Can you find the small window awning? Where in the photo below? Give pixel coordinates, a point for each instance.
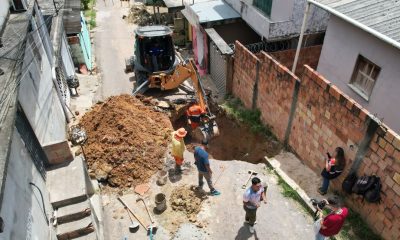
(211, 11)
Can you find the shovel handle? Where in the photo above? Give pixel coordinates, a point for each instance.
(130, 210)
(244, 185)
(148, 212)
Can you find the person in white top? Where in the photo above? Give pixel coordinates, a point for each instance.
(252, 200)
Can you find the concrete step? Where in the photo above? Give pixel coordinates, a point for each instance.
(75, 229)
(73, 212)
(67, 184)
(90, 236)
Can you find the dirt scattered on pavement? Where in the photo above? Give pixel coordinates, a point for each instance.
(186, 199)
(126, 141)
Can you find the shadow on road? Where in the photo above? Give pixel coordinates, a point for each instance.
(244, 233)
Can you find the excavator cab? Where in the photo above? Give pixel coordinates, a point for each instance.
(154, 52)
(157, 65)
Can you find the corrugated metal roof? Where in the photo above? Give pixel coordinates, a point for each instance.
(72, 17)
(209, 11)
(180, 3)
(382, 16)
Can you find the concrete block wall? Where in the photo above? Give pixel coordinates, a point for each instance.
(324, 118)
(308, 55)
(275, 94)
(244, 77)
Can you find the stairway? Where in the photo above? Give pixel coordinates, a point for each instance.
(74, 221)
(70, 191)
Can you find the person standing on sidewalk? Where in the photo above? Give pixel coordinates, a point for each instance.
(333, 222)
(203, 167)
(252, 201)
(178, 147)
(333, 168)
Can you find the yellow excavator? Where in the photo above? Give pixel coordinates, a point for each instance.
(158, 65)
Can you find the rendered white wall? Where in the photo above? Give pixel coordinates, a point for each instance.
(4, 6)
(285, 21)
(282, 10)
(38, 96)
(22, 208)
(317, 22)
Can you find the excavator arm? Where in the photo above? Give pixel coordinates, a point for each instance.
(185, 70)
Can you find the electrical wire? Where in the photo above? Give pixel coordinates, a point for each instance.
(24, 71)
(33, 46)
(30, 33)
(45, 22)
(14, 84)
(11, 85)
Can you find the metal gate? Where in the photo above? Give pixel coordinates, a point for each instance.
(218, 66)
(27, 134)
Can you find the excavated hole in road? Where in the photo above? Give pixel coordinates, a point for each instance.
(235, 142)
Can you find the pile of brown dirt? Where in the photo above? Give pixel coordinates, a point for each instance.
(126, 141)
(188, 200)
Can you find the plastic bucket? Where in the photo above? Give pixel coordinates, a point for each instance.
(162, 177)
(161, 202)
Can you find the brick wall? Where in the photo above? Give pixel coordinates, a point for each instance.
(383, 159)
(275, 93)
(244, 76)
(324, 118)
(308, 56)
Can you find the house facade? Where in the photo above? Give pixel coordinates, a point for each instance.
(276, 19)
(33, 121)
(361, 55)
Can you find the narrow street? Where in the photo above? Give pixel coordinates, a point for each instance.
(113, 43)
(234, 99)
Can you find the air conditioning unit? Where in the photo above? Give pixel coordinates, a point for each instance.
(19, 5)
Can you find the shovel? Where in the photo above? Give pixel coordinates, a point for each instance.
(134, 225)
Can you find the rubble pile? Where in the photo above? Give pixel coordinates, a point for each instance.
(186, 199)
(139, 15)
(126, 141)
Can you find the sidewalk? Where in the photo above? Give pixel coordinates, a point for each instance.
(298, 176)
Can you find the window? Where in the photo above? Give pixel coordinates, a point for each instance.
(264, 5)
(364, 77)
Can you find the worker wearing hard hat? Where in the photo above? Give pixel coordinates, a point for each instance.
(194, 114)
(178, 147)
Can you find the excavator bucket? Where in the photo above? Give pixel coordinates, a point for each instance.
(210, 130)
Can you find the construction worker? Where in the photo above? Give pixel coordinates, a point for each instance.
(252, 201)
(203, 166)
(178, 147)
(194, 114)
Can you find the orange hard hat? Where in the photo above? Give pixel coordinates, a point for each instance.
(181, 132)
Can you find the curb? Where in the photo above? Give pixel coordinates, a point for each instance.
(305, 199)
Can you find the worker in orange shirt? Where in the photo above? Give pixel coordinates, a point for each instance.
(178, 147)
(194, 114)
